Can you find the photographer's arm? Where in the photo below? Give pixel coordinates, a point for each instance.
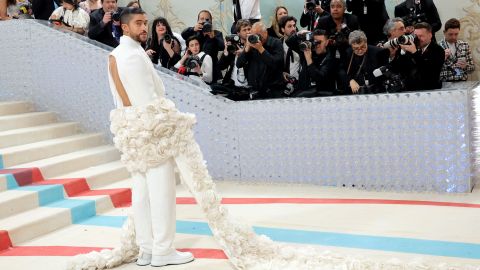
(273, 59)
(95, 28)
(293, 43)
(242, 59)
(188, 32)
(470, 67)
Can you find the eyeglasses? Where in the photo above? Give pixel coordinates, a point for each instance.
(359, 48)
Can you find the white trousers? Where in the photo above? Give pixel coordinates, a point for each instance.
(153, 203)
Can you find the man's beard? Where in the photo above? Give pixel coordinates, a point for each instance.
(139, 38)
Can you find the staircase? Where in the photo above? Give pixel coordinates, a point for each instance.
(52, 175)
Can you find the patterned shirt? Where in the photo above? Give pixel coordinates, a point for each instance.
(450, 70)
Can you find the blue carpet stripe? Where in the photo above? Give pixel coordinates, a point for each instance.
(80, 209)
(1, 162)
(394, 244)
(11, 182)
(46, 193)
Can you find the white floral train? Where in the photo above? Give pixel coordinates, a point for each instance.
(149, 135)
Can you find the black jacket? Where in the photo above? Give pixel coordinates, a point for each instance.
(374, 58)
(264, 71)
(428, 65)
(308, 19)
(226, 62)
(99, 31)
(426, 6)
(210, 46)
(372, 16)
(42, 9)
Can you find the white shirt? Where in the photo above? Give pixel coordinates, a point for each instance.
(238, 76)
(250, 9)
(77, 18)
(137, 74)
(295, 66)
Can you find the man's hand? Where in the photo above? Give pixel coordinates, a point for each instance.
(448, 53)
(319, 10)
(308, 56)
(258, 46)
(355, 86)
(411, 48)
(285, 76)
(150, 52)
(198, 27)
(107, 17)
(461, 63)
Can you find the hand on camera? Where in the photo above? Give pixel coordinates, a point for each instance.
(150, 52)
(461, 63)
(411, 48)
(107, 17)
(198, 27)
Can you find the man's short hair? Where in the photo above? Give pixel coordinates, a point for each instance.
(127, 14)
(283, 21)
(241, 24)
(357, 37)
(320, 32)
(452, 24)
(261, 25)
(390, 24)
(423, 25)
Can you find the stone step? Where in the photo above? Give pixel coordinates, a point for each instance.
(21, 136)
(24, 120)
(15, 107)
(49, 148)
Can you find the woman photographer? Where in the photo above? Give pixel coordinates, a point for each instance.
(274, 30)
(195, 62)
(163, 46)
(71, 17)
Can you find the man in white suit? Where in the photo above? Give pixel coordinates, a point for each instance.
(135, 82)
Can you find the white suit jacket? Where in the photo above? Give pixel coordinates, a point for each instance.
(136, 71)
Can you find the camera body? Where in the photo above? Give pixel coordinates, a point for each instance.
(401, 40)
(116, 15)
(413, 18)
(207, 26)
(340, 37)
(291, 85)
(234, 40)
(392, 82)
(306, 41)
(311, 4)
(192, 62)
(167, 38)
(254, 39)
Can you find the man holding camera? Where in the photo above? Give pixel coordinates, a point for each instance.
(262, 60)
(372, 16)
(235, 84)
(428, 58)
(312, 12)
(417, 11)
(458, 56)
(105, 24)
(291, 63)
(211, 41)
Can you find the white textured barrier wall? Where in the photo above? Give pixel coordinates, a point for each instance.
(403, 142)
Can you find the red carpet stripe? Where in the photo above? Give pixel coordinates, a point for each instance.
(199, 253)
(5, 241)
(188, 200)
(25, 176)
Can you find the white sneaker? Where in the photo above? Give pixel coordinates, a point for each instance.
(144, 259)
(176, 257)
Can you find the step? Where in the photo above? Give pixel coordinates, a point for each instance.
(16, 201)
(79, 160)
(15, 107)
(33, 223)
(49, 148)
(99, 176)
(23, 120)
(21, 136)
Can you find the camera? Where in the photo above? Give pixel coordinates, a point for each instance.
(306, 41)
(167, 38)
(311, 4)
(340, 37)
(207, 26)
(291, 85)
(253, 39)
(234, 40)
(116, 15)
(401, 40)
(192, 62)
(413, 18)
(392, 82)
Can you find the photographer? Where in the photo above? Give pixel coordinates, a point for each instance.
(313, 10)
(317, 72)
(105, 24)
(362, 60)
(372, 16)
(195, 62)
(234, 85)
(458, 56)
(274, 30)
(291, 63)
(163, 46)
(417, 11)
(428, 58)
(71, 17)
(262, 60)
(211, 41)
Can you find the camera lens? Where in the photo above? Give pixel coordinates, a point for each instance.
(254, 39)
